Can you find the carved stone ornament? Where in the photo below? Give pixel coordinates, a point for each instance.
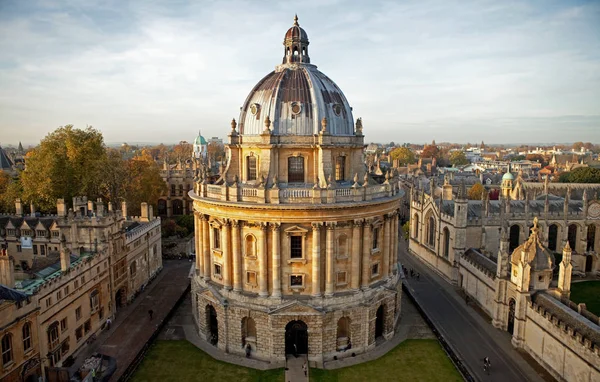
(594, 211)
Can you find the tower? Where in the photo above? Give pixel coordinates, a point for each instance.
(564, 273)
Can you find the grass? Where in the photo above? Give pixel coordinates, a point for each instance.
(587, 292)
(181, 361)
(412, 360)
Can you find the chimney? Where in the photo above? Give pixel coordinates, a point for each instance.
(144, 216)
(61, 208)
(150, 212)
(65, 259)
(18, 207)
(90, 207)
(99, 208)
(124, 209)
(7, 275)
(110, 207)
(32, 207)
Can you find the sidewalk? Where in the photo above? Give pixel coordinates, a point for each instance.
(132, 327)
(470, 335)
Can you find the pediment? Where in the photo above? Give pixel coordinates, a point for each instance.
(40, 227)
(24, 225)
(297, 308)
(296, 230)
(10, 225)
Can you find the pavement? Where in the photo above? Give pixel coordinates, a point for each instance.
(469, 333)
(294, 372)
(132, 327)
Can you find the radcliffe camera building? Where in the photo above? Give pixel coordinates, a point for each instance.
(296, 241)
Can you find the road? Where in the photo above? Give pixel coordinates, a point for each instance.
(468, 333)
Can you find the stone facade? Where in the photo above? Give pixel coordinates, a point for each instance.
(296, 243)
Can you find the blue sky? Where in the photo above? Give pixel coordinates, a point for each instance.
(159, 71)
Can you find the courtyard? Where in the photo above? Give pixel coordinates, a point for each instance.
(587, 292)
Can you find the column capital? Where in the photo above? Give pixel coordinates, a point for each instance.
(263, 226)
(235, 223)
(202, 217)
(358, 223)
(331, 225)
(316, 226)
(275, 226)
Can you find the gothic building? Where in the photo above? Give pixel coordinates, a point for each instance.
(296, 241)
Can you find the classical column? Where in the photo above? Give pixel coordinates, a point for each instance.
(316, 259)
(386, 247)
(366, 256)
(237, 256)
(394, 249)
(226, 251)
(276, 242)
(330, 248)
(356, 250)
(198, 242)
(206, 236)
(262, 255)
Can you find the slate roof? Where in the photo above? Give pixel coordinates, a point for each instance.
(5, 162)
(480, 260)
(9, 294)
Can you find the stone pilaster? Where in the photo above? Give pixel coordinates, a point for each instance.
(206, 246)
(262, 255)
(366, 255)
(316, 259)
(198, 242)
(276, 243)
(237, 256)
(330, 248)
(225, 244)
(356, 250)
(386, 247)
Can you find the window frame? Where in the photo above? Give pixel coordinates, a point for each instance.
(295, 176)
(7, 350)
(26, 337)
(340, 168)
(251, 168)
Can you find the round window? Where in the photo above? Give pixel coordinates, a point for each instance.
(337, 109)
(296, 108)
(254, 108)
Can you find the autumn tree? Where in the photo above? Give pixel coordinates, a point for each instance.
(144, 183)
(536, 158)
(581, 175)
(10, 189)
(577, 146)
(68, 162)
(181, 151)
(216, 152)
(403, 154)
(458, 158)
(430, 151)
(115, 176)
(475, 192)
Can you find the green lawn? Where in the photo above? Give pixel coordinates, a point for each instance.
(587, 292)
(181, 361)
(412, 360)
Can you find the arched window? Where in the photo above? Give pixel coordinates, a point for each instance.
(446, 242)
(133, 269)
(591, 237)
(514, 235)
(251, 168)
(53, 336)
(340, 168)
(552, 237)
(248, 330)
(431, 231)
(7, 353)
(343, 327)
(572, 236)
(250, 246)
(295, 170)
(342, 246)
(26, 336)
(415, 224)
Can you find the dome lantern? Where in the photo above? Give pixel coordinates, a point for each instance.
(295, 45)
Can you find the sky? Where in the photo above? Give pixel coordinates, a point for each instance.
(160, 71)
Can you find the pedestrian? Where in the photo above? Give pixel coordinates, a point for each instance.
(248, 350)
(418, 276)
(108, 322)
(150, 313)
(304, 369)
(295, 351)
(486, 365)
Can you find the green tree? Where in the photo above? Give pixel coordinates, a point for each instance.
(68, 162)
(458, 158)
(475, 192)
(581, 175)
(10, 189)
(537, 158)
(144, 183)
(577, 146)
(115, 175)
(403, 154)
(430, 151)
(517, 158)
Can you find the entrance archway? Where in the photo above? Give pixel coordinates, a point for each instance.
(212, 325)
(162, 207)
(296, 333)
(511, 316)
(379, 321)
(589, 260)
(177, 207)
(121, 298)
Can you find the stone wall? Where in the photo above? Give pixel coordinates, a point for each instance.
(478, 285)
(439, 264)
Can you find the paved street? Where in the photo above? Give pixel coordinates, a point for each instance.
(470, 335)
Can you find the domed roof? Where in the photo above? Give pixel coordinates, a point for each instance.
(296, 97)
(200, 140)
(508, 176)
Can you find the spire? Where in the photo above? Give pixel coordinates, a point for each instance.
(296, 20)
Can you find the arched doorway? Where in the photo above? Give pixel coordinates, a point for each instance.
(589, 260)
(552, 236)
(511, 316)
(296, 333)
(177, 207)
(515, 232)
(121, 297)
(212, 325)
(591, 237)
(379, 321)
(162, 207)
(572, 236)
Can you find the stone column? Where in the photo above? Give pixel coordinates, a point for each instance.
(330, 248)
(394, 249)
(237, 256)
(276, 242)
(386, 247)
(262, 255)
(226, 251)
(316, 259)
(206, 240)
(356, 250)
(198, 239)
(366, 256)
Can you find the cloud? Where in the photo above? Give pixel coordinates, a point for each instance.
(415, 71)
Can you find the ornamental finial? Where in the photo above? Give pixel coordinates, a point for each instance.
(296, 20)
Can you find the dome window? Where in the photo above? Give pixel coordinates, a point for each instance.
(296, 108)
(337, 109)
(254, 108)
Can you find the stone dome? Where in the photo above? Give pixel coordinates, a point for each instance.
(296, 97)
(508, 176)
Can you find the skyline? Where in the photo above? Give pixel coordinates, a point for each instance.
(159, 72)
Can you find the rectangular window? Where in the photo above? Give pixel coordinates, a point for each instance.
(10, 232)
(82, 280)
(375, 270)
(35, 249)
(78, 313)
(19, 248)
(94, 300)
(340, 169)
(217, 269)
(217, 238)
(375, 237)
(58, 295)
(79, 333)
(251, 278)
(296, 280)
(76, 284)
(41, 233)
(172, 190)
(295, 170)
(87, 326)
(55, 233)
(42, 250)
(341, 278)
(296, 247)
(48, 302)
(251, 166)
(66, 291)
(63, 325)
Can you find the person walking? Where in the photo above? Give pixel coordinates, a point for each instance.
(295, 351)
(150, 313)
(108, 322)
(304, 369)
(418, 276)
(486, 365)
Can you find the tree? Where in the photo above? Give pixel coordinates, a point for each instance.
(581, 175)
(517, 158)
(430, 151)
(536, 158)
(67, 163)
(475, 192)
(181, 151)
(9, 191)
(577, 146)
(216, 152)
(144, 182)
(458, 158)
(115, 175)
(403, 154)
